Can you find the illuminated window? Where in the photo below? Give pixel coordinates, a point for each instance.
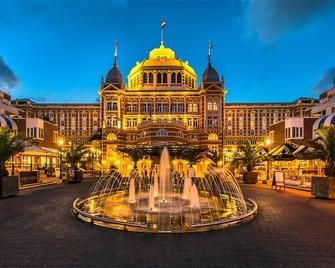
(186, 80)
(111, 137)
(212, 106)
(192, 107)
(213, 137)
(192, 83)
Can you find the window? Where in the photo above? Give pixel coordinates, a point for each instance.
(212, 121)
(159, 78)
(189, 122)
(109, 106)
(212, 106)
(178, 78)
(145, 78)
(164, 78)
(128, 107)
(109, 121)
(115, 121)
(151, 78)
(114, 106)
(192, 107)
(145, 107)
(173, 78)
(55, 136)
(162, 133)
(213, 137)
(111, 137)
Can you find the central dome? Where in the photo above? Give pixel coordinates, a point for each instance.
(162, 70)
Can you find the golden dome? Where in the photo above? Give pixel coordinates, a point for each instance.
(160, 59)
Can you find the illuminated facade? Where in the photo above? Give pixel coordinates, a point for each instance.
(162, 104)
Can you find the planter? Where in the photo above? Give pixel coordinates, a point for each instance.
(323, 187)
(250, 177)
(9, 186)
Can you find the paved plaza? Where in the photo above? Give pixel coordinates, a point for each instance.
(291, 230)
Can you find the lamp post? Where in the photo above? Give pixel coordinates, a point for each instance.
(92, 155)
(267, 143)
(60, 144)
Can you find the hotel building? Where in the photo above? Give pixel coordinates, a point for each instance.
(161, 103)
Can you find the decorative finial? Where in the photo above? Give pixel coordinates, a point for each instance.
(163, 23)
(210, 46)
(102, 78)
(222, 78)
(116, 45)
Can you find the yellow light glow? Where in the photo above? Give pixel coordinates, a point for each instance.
(60, 142)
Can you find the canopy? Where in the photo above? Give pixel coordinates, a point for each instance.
(36, 150)
(284, 152)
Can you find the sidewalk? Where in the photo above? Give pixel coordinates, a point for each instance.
(45, 182)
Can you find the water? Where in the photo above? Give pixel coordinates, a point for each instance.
(167, 201)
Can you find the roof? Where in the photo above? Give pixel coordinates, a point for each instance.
(114, 76)
(210, 75)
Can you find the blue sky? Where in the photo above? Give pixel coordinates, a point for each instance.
(268, 50)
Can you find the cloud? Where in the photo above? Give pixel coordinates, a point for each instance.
(8, 79)
(271, 19)
(326, 80)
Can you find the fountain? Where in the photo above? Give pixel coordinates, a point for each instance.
(166, 202)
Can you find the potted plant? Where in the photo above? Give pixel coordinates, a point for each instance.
(323, 148)
(9, 145)
(73, 157)
(249, 155)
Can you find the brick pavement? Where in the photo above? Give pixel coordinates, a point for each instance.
(291, 230)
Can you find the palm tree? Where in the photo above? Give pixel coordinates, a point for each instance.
(323, 148)
(215, 157)
(249, 155)
(73, 156)
(193, 154)
(134, 153)
(9, 145)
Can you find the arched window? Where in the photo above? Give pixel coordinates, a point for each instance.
(151, 78)
(213, 137)
(178, 78)
(173, 78)
(111, 137)
(145, 78)
(164, 78)
(186, 80)
(162, 133)
(192, 83)
(159, 78)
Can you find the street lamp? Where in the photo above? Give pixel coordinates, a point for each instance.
(92, 155)
(60, 144)
(267, 143)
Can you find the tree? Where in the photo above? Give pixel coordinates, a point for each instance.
(193, 154)
(215, 157)
(249, 155)
(73, 156)
(322, 148)
(9, 145)
(134, 153)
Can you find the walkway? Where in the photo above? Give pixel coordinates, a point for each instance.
(291, 230)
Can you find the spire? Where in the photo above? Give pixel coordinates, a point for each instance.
(116, 45)
(222, 78)
(210, 46)
(163, 23)
(102, 78)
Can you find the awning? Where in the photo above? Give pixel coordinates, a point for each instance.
(284, 151)
(6, 121)
(36, 150)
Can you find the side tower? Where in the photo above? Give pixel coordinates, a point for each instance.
(111, 104)
(212, 95)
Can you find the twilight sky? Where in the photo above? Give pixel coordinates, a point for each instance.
(268, 50)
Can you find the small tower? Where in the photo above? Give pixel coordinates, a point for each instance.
(114, 75)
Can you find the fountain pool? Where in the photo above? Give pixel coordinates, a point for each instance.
(166, 201)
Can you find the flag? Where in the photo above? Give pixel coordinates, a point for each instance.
(163, 23)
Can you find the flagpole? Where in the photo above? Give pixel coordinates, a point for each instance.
(162, 36)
